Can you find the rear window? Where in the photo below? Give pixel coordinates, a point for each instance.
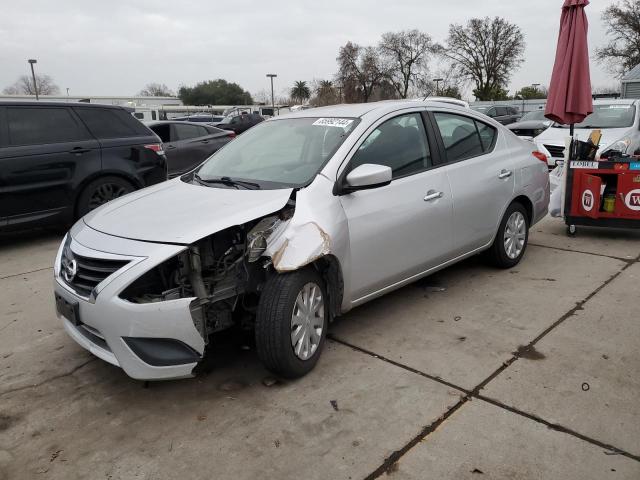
(41, 125)
(111, 123)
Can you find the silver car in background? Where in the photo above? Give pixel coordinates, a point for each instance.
(294, 223)
(618, 120)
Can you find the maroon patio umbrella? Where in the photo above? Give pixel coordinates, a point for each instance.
(569, 100)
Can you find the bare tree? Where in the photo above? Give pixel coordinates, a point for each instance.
(156, 90)
(622, 53)
(406, 58)
(485, 51)
(24, 86)
(360, 70)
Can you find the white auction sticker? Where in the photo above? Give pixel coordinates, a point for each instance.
(584, 164)
(333, 122)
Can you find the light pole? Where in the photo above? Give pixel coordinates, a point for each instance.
(438, 80)
(33, 75)
(273, 103)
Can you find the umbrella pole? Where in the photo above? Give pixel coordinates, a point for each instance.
(571, 148)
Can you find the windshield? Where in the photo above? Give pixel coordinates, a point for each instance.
(537, 115)
(615, 115)
(279, 153)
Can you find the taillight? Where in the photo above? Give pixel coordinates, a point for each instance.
(540, 156)
(231, 134)
(155, 147)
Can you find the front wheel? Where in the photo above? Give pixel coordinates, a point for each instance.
(511, 240)
(291, 323)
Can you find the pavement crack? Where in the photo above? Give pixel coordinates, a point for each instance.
(48, 380)
(559, 428)
(25, 273)
(623, 259)
(390, 462)
(335, 339)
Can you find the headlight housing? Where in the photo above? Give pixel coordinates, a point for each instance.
(257, 237)
(619, 146)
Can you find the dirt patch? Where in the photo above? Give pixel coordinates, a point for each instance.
(530, 353)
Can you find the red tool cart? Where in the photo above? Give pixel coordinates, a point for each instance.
(602, 194)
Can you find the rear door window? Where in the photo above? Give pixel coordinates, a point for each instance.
(460, 136)
(111, 123)
(185, 132)
(42, 125)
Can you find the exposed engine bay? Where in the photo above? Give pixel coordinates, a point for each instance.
(224, 272)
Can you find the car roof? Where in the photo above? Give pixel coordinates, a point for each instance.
(34, 103)
(154, 123)
(618, 101)
(359, 110)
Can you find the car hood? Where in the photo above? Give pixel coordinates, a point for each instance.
(529, 125)
(179, 212)
(556, 136)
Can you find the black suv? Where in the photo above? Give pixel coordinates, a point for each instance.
(60, 160)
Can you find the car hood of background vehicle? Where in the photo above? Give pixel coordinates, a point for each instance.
(529, 125)
(179, 212)
(556, 136)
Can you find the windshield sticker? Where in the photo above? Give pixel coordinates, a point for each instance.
(621, 107)
(333, 122)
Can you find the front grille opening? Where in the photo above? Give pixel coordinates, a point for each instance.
(89, 272)
(556, 151)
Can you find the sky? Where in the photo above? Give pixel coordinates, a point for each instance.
(115, 47)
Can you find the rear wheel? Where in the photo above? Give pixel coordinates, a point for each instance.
(291, 323)
(511, 240)
(101, 191)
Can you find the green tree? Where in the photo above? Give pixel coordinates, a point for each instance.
(300, 91)
(622, 53)
(451, 92)
(531, 93)
(485, 51)
(215, 92)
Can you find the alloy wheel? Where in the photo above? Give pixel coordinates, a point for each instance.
(307, 321)
(515, 235)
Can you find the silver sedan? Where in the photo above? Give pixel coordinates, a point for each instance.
(296, 222)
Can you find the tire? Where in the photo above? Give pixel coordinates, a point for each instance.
(499, 254)
(100, 191)
(275, 324)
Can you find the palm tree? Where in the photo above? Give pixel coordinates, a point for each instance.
(300, 91)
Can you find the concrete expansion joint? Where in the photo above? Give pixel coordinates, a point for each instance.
(613, 257)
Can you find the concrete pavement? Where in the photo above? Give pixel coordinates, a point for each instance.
(471, 373)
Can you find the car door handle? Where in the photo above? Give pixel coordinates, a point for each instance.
(204, 141)
(433, 195)
(79, 150)
(505, 174)
(170, 147)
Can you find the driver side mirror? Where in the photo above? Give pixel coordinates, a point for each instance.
(367, 176)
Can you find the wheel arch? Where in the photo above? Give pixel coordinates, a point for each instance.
(527, 204)
(96, 176)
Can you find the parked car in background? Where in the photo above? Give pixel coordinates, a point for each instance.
(531, 124)
(503, 114)
(240, 123)
(60, 160)
(618, 120)
(188, 144)
(200, 118)
(295, 222)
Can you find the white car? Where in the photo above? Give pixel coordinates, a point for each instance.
(619, 121)
(297, 221)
